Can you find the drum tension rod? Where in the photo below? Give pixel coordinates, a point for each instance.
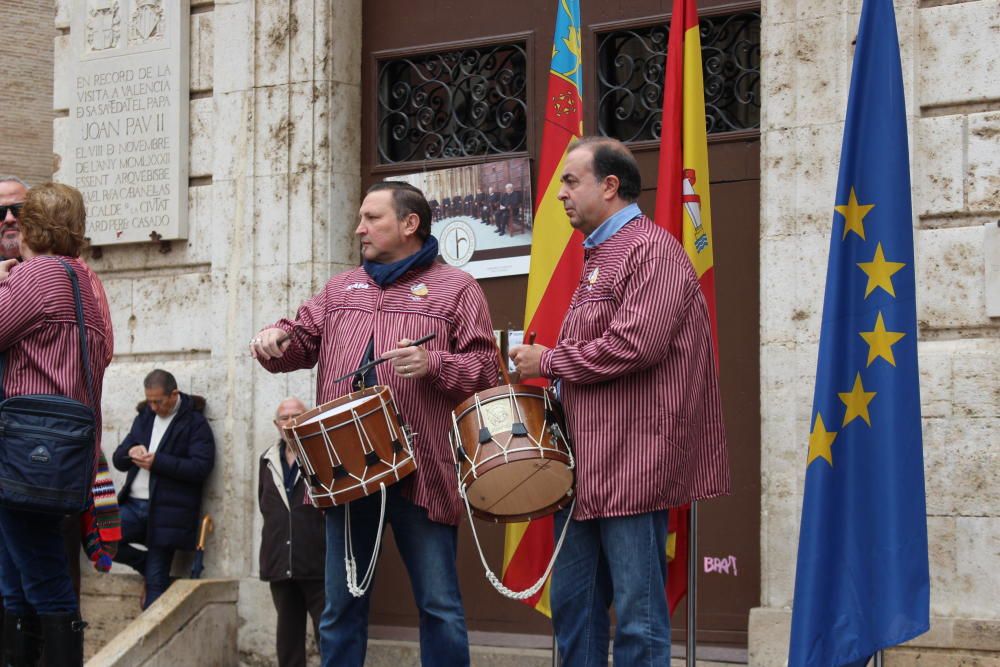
(339, 472)
(519, 430)
(372, 459)
(397, 446)
(484, 435)
(461, 453)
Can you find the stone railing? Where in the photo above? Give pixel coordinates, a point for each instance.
(193, 623)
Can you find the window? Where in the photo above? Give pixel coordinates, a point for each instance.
(461, 103)
(631, 65)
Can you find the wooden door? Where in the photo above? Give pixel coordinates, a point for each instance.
(729, 531)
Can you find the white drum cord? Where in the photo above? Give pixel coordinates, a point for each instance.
(350, 564)
(493, 579)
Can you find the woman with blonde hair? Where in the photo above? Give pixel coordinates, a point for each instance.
(41, 344)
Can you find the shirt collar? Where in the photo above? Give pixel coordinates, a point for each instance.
(611, 226)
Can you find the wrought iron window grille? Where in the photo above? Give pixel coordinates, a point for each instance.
(630, 69)
(462, 103)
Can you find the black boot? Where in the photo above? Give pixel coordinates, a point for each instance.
(63, 635)
(22, 640)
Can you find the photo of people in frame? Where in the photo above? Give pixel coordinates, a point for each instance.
(482, 215)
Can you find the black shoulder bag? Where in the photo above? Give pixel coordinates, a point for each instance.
(47, 442)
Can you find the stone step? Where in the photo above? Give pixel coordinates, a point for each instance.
(397, 653)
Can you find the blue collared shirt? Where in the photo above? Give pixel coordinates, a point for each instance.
(611, 226)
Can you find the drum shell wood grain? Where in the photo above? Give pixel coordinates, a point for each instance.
(381, 423)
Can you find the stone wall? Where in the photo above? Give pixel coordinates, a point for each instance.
(26, 106)
(274, 191)
(274, 152)
(951, 70)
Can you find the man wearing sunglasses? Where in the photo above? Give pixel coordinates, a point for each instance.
(12, 193)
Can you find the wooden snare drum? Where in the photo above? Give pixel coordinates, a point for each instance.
(511, 453)
(351, 447)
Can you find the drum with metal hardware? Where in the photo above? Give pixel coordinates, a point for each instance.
(513, 459)
(352, 447)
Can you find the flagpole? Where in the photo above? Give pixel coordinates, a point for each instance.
(879, 657)
(692, 592)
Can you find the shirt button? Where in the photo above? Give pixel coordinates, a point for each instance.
(288, 572)
(288, 541)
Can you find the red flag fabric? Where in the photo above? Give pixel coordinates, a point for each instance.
(683, 207)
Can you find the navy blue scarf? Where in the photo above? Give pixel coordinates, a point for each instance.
(387, 274)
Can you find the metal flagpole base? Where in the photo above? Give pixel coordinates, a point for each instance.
(879, 660)
(555, 651)
(692, 592)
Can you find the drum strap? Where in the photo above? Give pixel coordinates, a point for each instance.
(350, 564)
(493, 579)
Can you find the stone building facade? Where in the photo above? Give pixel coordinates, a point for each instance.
(274, 190)
(951, 60)
(26, 108)
(275, 183)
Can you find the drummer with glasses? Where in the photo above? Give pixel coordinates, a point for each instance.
(398, 294)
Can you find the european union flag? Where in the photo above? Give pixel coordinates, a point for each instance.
(862, 581)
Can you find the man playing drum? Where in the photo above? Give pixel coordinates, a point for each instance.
(638, 384)
(399, 295)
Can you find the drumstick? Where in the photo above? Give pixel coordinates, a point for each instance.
(376, 362)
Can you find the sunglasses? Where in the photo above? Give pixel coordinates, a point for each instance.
(15, 210)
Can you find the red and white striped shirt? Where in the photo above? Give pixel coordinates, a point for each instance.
(38, 331)
(639, 384)
(334, 327)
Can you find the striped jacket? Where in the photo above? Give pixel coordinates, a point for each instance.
(334, 327)
(38, 331)
(639, 382)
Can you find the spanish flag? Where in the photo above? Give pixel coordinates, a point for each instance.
(556, 264)
(684, 208)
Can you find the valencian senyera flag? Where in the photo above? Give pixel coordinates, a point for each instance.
(556, 264)
(684, 208)
(862, 580)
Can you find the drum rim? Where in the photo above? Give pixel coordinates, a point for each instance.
(520, 390)
(374, 393)
(332, 494)
(548, 510)
(472, 465)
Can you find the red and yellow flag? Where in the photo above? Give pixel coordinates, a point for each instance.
(556, 263)
(684, 208)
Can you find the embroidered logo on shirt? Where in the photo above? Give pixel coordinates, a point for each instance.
(356, 286)
(419, 291)
(592, 278)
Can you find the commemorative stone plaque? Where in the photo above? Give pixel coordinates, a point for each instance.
(128, 144)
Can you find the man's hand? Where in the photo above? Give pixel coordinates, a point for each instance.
(5, 267)
(269, 344)
(407, 360)
(528, 360)
(141, 456)
(145, 461)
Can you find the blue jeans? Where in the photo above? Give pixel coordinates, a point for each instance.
(428, 549)
(620, 561)
(34, 572)
(154, 563)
